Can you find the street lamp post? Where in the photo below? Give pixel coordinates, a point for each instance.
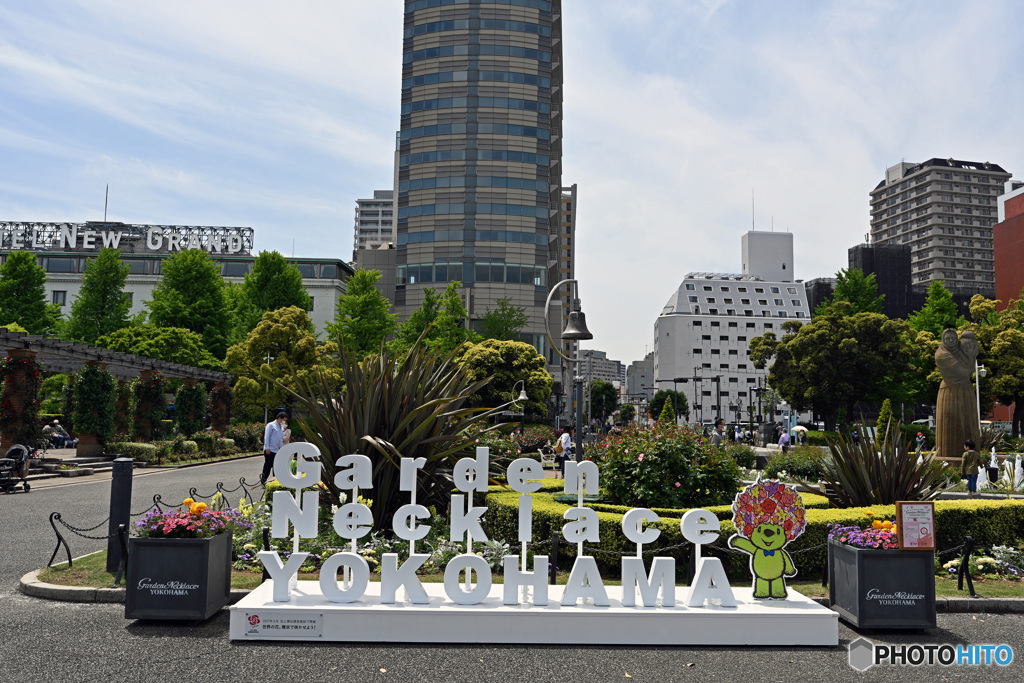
(575, 330)
(523, 398)
(979, 372)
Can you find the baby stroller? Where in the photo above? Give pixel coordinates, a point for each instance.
(14, 467)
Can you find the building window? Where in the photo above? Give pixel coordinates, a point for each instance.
(60, 298)
(778, 302)
(710, 300)
(329, 270)
(795, 302)
(689, 287)
(768, 326)
(715, 323)
(791, 290)
(61, 265)
(724, 338)
(734, 324)
(696, 352)
(697, 323)
(706, 337)
(306, 269)
(129, 297)
(692, 299)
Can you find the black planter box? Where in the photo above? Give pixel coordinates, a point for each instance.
(177, 578)
(872, 588)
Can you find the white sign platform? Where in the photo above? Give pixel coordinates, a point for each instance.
(309, 616)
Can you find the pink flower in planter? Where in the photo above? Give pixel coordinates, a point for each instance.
(640, 458)
(678, 484)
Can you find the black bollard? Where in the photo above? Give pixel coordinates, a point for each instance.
(120, 509)
(554, 557)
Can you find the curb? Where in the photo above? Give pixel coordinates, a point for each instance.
(150, 466)
(31, 585)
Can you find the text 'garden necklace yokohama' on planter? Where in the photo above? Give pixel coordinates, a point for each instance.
(526, 609)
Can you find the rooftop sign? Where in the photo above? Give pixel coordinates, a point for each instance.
(129, 238)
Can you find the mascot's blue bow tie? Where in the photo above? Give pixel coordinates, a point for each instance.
(769, 553)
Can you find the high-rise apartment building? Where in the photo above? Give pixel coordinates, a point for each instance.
(479, 154)
(944, 209)
(374, 221)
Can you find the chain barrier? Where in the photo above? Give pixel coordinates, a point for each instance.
(158, 505)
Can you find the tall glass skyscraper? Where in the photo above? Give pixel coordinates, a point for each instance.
(479, 155)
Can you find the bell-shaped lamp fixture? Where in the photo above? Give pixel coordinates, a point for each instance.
(523, 396)
(576, 328)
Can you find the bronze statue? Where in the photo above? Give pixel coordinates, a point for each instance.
(956, 410)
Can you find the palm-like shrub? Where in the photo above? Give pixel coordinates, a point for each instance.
(393, 405)
(877, 472)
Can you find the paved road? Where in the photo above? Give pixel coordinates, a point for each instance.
(51, 641)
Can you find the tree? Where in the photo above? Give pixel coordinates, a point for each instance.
(23, 294)
(172, 344)
(504, 322)
(667, 415)
(284, 337)
(676, 398)
(1001, 338)
(191, 295)
(604, 399)
(362, 318)
(938, 313)
(884, 417)
(443, 316)
(101, 306)
(837, 359)
(273, 283)
(856, 289)
(507, 363)
(627, 412)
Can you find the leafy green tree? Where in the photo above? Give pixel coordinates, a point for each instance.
(23, 294)
(504, 322)
(837, 359)
(282, 336)
(13, 327)
(101, 306)
(507, 363)
(676, 398)
(627, 412)
(1001, 340)
(856, 289)
(443, 316)
(938, 313)
(604, 398)
(172, 344)
(191, 294)
(190, 409)
(362, 318)
(274, 283)
(95, 398)
(667, 415)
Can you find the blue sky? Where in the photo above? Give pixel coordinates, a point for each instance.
(279, 115)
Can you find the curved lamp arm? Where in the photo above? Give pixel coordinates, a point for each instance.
(547, 319)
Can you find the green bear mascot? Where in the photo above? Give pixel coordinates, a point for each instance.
(768, 515)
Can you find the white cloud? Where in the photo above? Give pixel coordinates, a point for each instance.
(279, 115)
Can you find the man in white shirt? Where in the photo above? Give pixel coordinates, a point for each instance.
(273, 439)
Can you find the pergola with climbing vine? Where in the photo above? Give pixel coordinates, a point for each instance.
(24, 357)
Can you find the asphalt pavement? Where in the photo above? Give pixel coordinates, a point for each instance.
(42, 640)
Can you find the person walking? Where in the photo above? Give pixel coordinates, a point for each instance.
(784, 441)
(718, 436)
(273, 439)
(969, 466)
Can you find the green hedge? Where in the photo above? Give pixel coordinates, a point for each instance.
(144, 452)
(989, 522)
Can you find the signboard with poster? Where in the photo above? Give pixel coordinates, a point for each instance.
(915, 524)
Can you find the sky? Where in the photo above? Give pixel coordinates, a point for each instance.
(279, 115)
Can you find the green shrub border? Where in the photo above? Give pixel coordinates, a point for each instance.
(989, 522)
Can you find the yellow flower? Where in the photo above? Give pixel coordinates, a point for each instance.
(887, 525)
(196, 508)
(869, 513)
(187, 501)
(876, 524)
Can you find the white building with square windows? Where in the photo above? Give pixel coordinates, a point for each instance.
(703, 333)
